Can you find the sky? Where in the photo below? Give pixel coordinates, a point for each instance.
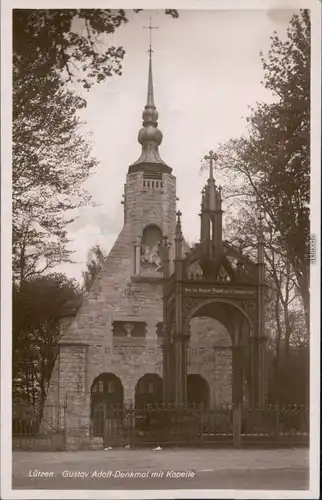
(207, 72)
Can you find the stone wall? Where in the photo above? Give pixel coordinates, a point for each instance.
(86, 349)
(210, 356)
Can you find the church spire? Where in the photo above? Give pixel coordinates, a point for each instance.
(150, 114)
(150, 98)
(150, 137)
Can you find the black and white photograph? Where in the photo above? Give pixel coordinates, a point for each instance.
(161, 180)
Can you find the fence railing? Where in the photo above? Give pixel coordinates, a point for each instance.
(230, 425)
(39, 431)
(157, 424)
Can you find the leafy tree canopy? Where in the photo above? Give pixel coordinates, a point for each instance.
(95, 260)
(37, 309)
(269, 170)
(71, 41)
(51, 156)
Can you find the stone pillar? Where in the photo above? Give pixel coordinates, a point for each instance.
(166, 340)
(237, 367)
(258, 388)
(169, 366)
(262, 371)
(137, 256)
(259, 360)
(260, 343)
(168, 371)
(180, 369)
(180, 337)
(165, 371)
(129, 393)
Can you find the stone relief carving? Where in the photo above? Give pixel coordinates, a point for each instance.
(150, 256)
(223, 276)
(123, 330)
(151, 248)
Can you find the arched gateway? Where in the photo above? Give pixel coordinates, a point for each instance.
(215, 280)
(106, 392)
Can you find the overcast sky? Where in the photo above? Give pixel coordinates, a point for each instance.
(207, 72)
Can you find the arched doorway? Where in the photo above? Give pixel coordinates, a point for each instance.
(148, 390)
(232, 351)
(106, 391)
(198, 390)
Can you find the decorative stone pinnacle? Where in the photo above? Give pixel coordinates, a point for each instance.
(178, 225)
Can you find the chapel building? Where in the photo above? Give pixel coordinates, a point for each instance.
(111, 348)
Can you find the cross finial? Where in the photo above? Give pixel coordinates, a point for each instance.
(211, 156)
(150, 27)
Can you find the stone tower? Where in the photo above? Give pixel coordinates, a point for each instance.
(111, 349)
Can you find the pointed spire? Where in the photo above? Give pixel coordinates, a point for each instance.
(150, 114)
(150, 97)
(150, 137)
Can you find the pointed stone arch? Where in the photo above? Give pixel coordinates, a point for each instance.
(195, 308)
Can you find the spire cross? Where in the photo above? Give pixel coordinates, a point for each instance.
(211, 157)
(150, 27)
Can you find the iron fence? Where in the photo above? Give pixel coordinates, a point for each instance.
(31, 430)
(163, 425)
(231, 425)
(276, 424)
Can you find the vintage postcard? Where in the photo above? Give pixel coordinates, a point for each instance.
(160, 249)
